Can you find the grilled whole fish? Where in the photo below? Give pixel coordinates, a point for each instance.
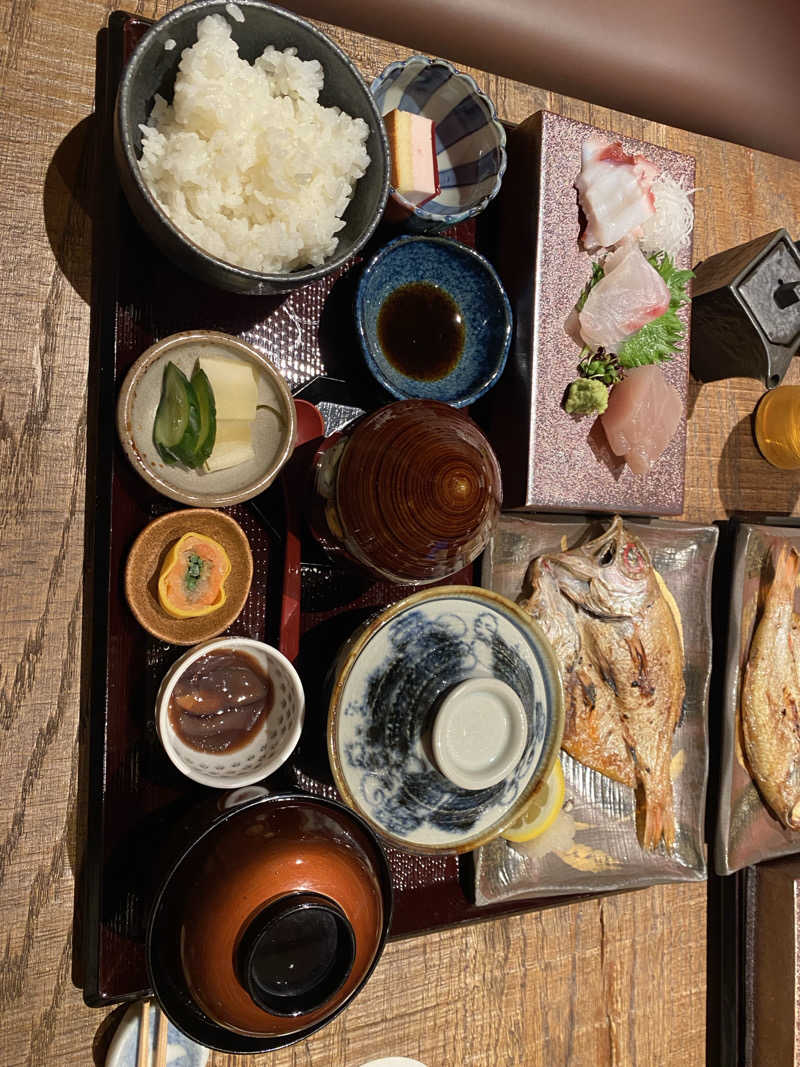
(621, 659)
(771, 695)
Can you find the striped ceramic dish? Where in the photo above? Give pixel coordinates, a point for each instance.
(470, 141)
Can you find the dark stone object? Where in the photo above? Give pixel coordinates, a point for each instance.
(745, 311)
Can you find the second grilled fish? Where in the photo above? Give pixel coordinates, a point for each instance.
(622, 663)
(771, 695)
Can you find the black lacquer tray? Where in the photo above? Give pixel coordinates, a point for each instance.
(135, 796)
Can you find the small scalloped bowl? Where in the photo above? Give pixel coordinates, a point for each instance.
(470, 140)
(271, 745)
(471, 282)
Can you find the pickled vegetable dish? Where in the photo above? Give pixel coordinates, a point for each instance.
(206, 422)
(185, 425)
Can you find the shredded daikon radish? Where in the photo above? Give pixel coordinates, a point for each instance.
(670, 227)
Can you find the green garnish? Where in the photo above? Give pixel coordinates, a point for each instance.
(194, 571)
(597, 274)
(602, 365)
(586, 396)
(655, 342)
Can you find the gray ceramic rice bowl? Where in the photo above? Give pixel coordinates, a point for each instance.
(152, 69)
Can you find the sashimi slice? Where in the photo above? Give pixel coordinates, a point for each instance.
(614, 193)
(643, 413)
(630, 294)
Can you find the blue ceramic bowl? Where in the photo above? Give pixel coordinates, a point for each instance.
(389, 682)
(473, 285)
(470, 141)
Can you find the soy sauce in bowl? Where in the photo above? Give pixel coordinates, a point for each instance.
(421, 331)
(220, 701)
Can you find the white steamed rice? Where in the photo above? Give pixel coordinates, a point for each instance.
(246, 162)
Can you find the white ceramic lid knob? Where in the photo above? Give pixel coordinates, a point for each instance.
(479, 733)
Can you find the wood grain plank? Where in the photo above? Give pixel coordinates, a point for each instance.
(619, 981)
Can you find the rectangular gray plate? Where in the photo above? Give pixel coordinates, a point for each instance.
(605, 853)
(747, 832)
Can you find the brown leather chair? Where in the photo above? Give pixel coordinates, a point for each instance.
(727, 68)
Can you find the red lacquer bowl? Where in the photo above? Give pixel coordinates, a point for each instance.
(269, 923)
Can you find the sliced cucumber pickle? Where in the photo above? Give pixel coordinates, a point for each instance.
(207, 434)
(177, 421)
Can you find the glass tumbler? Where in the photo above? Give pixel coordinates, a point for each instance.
(778, 427)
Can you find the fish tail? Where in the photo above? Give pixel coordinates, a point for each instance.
(792, 819)
(659, 821)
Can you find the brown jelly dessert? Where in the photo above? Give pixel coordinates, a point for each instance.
(220, 700)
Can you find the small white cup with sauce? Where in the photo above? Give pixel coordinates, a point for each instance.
(234, 757)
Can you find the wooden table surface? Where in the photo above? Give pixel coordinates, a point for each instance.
(620, 980)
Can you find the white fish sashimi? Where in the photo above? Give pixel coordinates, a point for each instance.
(643, 413)
(614, 193)
(630, 294)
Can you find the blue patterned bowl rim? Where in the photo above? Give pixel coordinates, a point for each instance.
(476, 209)
(461, 249)
(347, 661)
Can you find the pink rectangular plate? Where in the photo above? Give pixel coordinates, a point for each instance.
(558, 461)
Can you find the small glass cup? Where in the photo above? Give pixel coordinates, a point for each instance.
(778, 427)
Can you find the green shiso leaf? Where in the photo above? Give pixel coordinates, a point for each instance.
(597, 274)
(655, 342)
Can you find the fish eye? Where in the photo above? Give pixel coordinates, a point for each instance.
(632, 558)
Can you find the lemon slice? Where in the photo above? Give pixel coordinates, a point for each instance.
(541, 811)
